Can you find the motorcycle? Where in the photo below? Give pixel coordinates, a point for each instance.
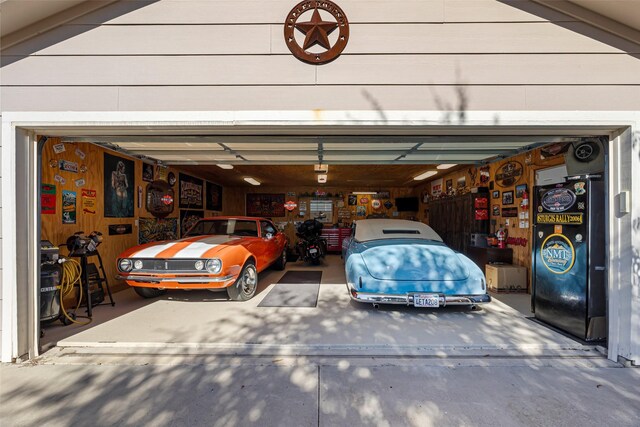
(311, 247)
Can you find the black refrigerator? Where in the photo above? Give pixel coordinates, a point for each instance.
(568, 260)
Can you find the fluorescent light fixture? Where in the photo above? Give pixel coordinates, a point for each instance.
(425, 175)
(322, 178)
(252, 181)
(364, 192)
(321, 168)
(446, 166)
(224, 166)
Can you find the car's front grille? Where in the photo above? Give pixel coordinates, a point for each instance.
(154, 265)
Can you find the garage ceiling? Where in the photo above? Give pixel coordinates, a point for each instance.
(356, 160)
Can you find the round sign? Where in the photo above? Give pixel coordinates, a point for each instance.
(290, 205)
(558, 200)
(308, 24)
(557, 254)
(375, 204)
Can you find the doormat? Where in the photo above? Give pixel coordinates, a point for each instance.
(294, 289)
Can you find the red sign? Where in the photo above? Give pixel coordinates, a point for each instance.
(167, 199)
(290, 205)
(364, 201)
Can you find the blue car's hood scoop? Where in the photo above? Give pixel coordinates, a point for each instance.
(416, 261)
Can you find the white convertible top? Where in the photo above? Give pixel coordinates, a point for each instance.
(376, 229)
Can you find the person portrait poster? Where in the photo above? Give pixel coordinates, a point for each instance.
(214, 197)
(119, 184)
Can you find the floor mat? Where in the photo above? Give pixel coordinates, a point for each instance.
(295, 289)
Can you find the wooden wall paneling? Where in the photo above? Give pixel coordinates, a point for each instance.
(52, 228)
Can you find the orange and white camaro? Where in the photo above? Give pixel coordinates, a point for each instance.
(217, 253)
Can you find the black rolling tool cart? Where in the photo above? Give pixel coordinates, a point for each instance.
(93, 279)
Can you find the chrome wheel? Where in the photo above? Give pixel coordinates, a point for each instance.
(249, 281)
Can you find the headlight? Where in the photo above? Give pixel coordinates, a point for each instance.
(214, 265)
(124, 264)
(199, 265)
(137, 264)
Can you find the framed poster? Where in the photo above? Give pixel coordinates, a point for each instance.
(119, 185)
(156, 229)
(47, 199)
(520, 190)
(214, 197)
(495, 194)
(352, 199)
(68, 207)
(265, 205)
(449, 186)
(188, 219)
(507, 197)
(147, 172)
(191, 192)
(496, 210)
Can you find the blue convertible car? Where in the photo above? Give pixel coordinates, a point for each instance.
(393, 261)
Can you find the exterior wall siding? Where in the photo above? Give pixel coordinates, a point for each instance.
(231, 55)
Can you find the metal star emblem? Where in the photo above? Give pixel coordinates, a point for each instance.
(316, 31)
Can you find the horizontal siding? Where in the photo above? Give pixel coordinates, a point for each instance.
(356, 97)
(357, 11)
(522, 69)
(473, 38)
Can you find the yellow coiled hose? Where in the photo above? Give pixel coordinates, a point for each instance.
(71, 274)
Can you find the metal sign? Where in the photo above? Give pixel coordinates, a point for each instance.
(509, 174)
(317, 47)
(558, 254)
(558, 199)
(562, 218)
(290, 205)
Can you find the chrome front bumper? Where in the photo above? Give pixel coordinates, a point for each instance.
(407, 299)
(186, 279)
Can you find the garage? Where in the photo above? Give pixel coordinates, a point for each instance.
(343, 178)
(490, 130)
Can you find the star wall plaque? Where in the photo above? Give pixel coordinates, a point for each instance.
(319, 45)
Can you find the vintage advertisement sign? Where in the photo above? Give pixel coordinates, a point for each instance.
(68, 166)
(509, 174)
(558, 200)
(567, 218)
(156, 229)
(118, 229)
(266, 205)
(47, 199)
(88, 201)
(160, 199)
(290, 205)
(191, 191)
(436, 187)
(68, 207)
(558, 254)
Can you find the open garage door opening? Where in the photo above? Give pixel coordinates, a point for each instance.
(505, 204)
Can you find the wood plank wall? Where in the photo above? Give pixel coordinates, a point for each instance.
(531, 162)
(55, 231)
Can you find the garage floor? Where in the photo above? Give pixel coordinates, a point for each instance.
(207, 321)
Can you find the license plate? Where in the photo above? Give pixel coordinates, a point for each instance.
(426, 300)
(313, 251)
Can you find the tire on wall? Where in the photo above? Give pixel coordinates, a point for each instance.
(149, 292)
(245, 286)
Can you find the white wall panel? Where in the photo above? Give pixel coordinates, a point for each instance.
(157, 70)
(265, 12)
(380, 38)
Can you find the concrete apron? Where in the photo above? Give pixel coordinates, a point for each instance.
(201, 323)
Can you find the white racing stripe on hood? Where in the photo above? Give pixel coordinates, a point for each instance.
(198, 249)
(152, 251)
